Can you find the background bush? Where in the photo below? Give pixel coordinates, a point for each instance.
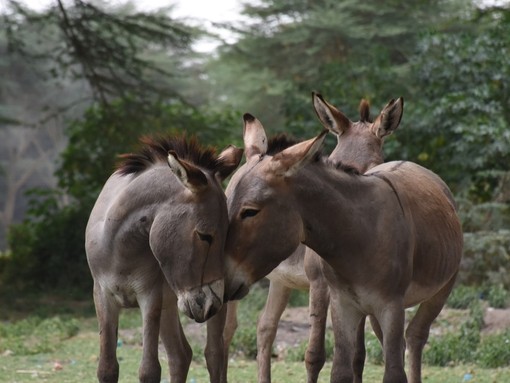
(486, 259)
(494, 350)
(36, 335)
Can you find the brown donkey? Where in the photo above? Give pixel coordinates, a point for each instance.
(389, 239)
(155, 239)
(359, 145)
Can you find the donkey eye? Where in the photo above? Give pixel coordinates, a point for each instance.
(205, 237)
(249, 213)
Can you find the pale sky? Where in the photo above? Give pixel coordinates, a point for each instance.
(219, 10)
(204, 11)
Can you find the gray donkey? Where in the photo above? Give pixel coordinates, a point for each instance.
(389, 239)
(359, 146)
(155, 239)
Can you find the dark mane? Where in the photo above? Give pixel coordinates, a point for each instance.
(282, 141)
(349, 169)
(155, 149)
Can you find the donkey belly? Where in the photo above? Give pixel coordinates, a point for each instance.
(129, 290)
(126, 277)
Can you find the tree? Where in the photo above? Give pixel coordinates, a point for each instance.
(112, 49)
(47, 247)
(344, 49)
(461, 123)
(131, 64)
(57, 63)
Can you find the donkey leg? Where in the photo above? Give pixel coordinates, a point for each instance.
(418, 329)
(177, 348)
(214, 349)
(315, 356)
(376, 327)
(391, 319)
(267, 326)
(151, 307)
(346, 320)
(360, 353)
(228, 334)
(107, 311)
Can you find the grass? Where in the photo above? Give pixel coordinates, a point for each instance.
(75, 361)
(50, 340)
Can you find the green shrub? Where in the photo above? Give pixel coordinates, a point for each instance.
(47, 249)
(486, 259)
(248, 311)
(497, 296)
(35, 335)
(297, 353)
(298, 298)
(462, 296)
(457, 347)
(373, 349)
(494, 351)
(245, 341)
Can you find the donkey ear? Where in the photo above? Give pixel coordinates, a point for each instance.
(190, 176)
(330, 117)
(290, 160)
(228, 161)
(389, 118)
(254, 135)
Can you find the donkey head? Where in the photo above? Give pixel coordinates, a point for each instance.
(262, 221)
(359, 144)
(188, 237)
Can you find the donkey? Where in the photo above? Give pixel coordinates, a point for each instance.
(155, 239)
(359, 146)
(388, 239)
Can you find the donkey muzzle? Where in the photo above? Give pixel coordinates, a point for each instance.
(201, 303)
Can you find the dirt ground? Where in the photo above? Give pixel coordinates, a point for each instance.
(293, 327)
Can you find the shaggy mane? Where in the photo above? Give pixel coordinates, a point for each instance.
(281, 141)
(155, 149)
(347, 168)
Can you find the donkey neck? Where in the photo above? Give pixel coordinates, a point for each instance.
(139, 198)
(341, 211)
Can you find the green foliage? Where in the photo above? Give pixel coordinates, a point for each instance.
(96, 140)
(47, 250)
(115, 49)
(486, 258)
(462, 297)
(345, 50)
(463, 104)
(373, 349)
(245, 341)
(494, 351)
(249, 308)
(497, 296)
(460, 347)
(297, 353)
(485, 216)
(36, 335)
(298, 298)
